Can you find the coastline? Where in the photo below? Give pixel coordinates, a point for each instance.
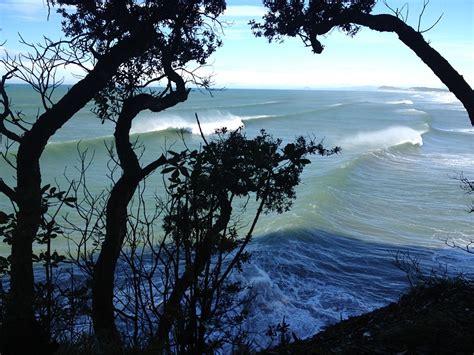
(437, 317)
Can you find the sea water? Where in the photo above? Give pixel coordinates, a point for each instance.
(393, 187)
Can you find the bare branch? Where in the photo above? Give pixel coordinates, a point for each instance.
(200, 129)
(398, 12)
(433, 25)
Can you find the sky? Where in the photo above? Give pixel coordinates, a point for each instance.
(369, 59)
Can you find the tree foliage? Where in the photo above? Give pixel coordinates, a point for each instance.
(308, 20)
(207, 242)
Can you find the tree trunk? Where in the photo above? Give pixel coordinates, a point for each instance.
(20, 316)
(103, 278)
(19, 329)
(104, 269)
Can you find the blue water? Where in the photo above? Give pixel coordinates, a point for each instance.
(392, 188)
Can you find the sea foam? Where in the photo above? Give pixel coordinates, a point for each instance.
(385, 138)
(400, 102)
(209, 122)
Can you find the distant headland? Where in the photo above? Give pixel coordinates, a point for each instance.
(415, 88)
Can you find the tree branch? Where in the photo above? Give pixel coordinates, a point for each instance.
(415, 41)
(6, 107)
(7, 190)
(411, 38)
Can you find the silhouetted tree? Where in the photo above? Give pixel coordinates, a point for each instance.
(308, 20)
(109, 40)
(204, 186)
(175, 293)
(120, 195)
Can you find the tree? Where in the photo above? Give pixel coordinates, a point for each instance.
(318, 17)
(109, 40)
(206, 247)
(175, 293)
(120, 195)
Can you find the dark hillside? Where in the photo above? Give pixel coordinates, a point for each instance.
(434, 319)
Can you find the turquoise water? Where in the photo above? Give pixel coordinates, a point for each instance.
(392, 188)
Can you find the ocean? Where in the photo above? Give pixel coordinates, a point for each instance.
(394, 187)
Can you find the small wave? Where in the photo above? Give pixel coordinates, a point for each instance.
(248, 118)
(400, 102)
(385, 138)
(412, 111)
(458, 130)
(55, 144)
(462, 162)
(226, 107)
(464, 130)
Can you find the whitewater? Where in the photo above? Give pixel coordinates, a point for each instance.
(393, 188)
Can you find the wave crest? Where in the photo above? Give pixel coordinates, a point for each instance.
(385, 138)
(400, 102)
(210, 122)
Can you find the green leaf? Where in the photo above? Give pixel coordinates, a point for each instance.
(167, 170)
(184, 171)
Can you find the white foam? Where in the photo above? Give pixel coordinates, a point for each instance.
(210, 121)
(459, 130)
(256, 117)
(400, 102)
(443, 97)
(385, 138)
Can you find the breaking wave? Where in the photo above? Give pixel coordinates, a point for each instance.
(385, 138)
(209, 122)
(400, 102)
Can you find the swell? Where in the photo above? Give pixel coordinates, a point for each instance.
(361, 152)
(450, 131)
(162, 125)
(237, 106)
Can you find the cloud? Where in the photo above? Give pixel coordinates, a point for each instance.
(24, 9)
(244, 11)
(322, 74)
